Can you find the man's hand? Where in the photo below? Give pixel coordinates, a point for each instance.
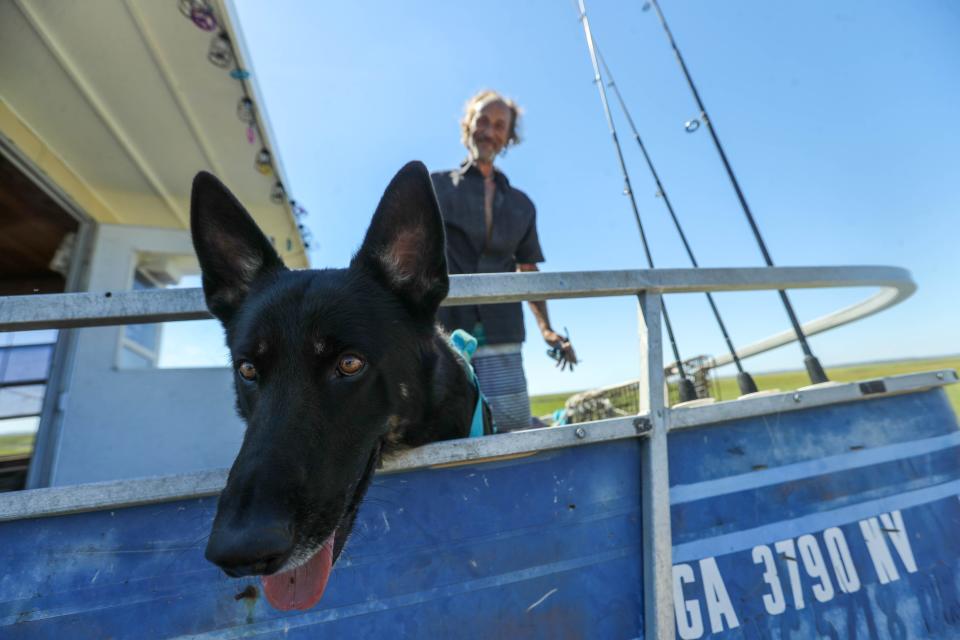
(560, 350)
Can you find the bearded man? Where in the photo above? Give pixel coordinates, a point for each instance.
(491, 227)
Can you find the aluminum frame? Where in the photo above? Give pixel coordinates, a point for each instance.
(653, 422)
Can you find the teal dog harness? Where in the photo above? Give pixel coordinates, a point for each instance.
(465, 344)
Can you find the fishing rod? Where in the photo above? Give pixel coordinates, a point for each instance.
(744, 380)
(685, 385)
(814, 370)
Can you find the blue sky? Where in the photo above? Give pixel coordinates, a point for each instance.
(839, 119)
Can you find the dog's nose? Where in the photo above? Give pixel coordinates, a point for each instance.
(257, 551)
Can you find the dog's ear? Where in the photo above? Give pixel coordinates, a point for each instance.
(232, 251)
(405, 245)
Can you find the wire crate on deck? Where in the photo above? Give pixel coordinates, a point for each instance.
(698, 369)
(623, 399)
(607, 402)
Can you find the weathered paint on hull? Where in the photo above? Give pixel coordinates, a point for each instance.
(549, 545)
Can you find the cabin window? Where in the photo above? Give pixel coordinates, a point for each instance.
(140, 343)
(171, 345)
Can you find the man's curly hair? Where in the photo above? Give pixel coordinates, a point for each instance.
(478, 102)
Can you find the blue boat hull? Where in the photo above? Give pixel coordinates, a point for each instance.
(838, 521)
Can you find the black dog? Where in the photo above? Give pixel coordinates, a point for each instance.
(333, 369)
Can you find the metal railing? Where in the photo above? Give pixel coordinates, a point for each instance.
(651, 424)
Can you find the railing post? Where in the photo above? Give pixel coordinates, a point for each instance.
(655, 479)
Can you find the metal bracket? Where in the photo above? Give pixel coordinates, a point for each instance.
(642, 424)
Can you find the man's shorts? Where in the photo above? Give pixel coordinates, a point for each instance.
(499, 370)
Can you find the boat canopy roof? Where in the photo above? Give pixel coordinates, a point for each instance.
(118, 107)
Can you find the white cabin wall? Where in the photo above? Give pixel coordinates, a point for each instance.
(126, 423)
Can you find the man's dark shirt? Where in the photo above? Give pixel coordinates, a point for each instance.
(513, 240)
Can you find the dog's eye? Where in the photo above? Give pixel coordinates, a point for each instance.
(350, 365)
(247, 370)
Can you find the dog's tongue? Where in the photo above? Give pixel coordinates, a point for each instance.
(301, 588)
